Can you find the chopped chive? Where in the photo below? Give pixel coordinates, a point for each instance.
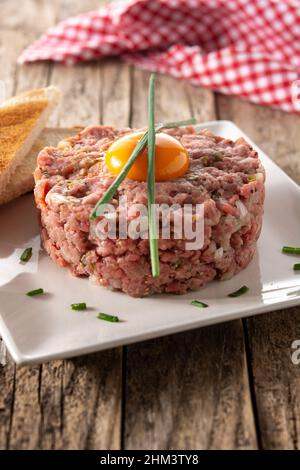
(106, 317)
(297, 267)
(26, 255)
(198, 304)
(241, 291)
(291, 250)
(32, 293)
(80, 306)
(154, 256)
(251, 177)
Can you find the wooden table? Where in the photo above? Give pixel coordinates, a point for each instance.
(231, 386)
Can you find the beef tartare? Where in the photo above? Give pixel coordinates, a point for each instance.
(226, 176)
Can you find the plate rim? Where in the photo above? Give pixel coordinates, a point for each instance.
(24, 359)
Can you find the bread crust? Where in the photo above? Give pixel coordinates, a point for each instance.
(22, 119)
(22, 181)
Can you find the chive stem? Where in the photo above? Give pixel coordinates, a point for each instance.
(185, 122)
(141, 145)
(34, 292)
(79, 306)
(291, 250)
(241, 291)
(154, 255)
(26, 255)
(199, 304)
(251, 178)
(297, 267)
(106, 317)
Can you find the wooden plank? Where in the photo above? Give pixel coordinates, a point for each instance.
(202, 103)
(80, 85)
(187, 391)
(18, 29)
(24, 29)
(14, 36)
(66, 386)
(25, 412)
(276, 379)
(116, 89)
(12, 42)
(6, 397)
(73, 404)
(68, 8)
(97, 379)
(80, 402)
(276, 132)
(80, 103)
(33, 17)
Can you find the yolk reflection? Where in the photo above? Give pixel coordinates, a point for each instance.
(171, 158)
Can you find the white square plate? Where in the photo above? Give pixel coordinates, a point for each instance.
(43, 328)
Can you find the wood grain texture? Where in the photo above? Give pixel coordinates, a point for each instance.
(80, 104)
(80, 403)
(7, 386)
(116, 91)
(25, 412)
(276, 378)
(186, 391)
(12, 41)
(73, 404)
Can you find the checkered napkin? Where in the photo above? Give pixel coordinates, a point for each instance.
(247, 48)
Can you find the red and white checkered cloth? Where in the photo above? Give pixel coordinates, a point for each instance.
(248, 48)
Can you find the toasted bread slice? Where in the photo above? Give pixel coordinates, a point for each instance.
(21, 180)
(22, 119)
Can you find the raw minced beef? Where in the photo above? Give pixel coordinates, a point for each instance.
(226, 176)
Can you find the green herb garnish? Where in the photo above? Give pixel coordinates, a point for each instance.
(26, 255)
(151, 182)
(296, 267)
(241, 291)
(80, 306)
(32, 293)
(291, 250)
(106, 317)
(199, 304)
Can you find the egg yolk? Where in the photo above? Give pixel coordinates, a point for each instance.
(171, 158)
